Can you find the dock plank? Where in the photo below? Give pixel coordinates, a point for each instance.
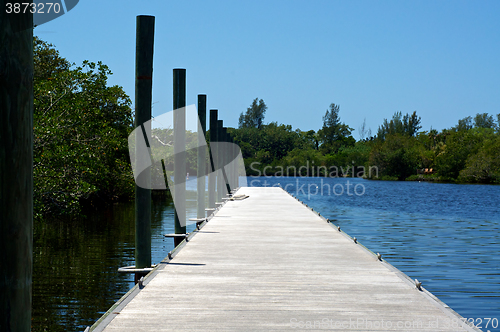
(268, 263)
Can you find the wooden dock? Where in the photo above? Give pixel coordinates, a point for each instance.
(269, 263)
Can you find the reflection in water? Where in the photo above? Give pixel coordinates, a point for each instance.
(445, 235)
(75, 263)
(75, 277)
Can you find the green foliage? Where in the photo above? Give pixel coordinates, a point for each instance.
(254, 116)
(464, 124)
(423, 177)
(299, 162)
(80, 134)
(357, 155)
(388, 178)
(459, 146)
(467, 152)
(307, 139)
(483, 166)
(483, 120)
(397, 156)
(402, 125)
(269, 144)
(334, 134)
(480, 120)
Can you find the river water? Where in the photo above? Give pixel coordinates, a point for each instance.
(445, 235)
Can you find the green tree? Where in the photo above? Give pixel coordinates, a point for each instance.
(459, 146)
(80, 134)
(334, 134)
(483, 120)
(47, 62)
(357, 155)
(299, 162)
(430, 147)
(308, 139)
(397, 156)
(254, 116)
(464, 124)
(269, 144)
(483, 166)
(411, 124)
(399, 124)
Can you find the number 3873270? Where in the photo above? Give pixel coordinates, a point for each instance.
(34, 8)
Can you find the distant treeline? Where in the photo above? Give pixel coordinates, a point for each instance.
(468, 152)
(81, 127)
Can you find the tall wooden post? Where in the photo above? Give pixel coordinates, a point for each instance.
(225, 156)
(212, 177)
(202, 162)
(234, 163)
(220, 177)
(230, 161)
(179, 153)
(143, 97)
(16, 170)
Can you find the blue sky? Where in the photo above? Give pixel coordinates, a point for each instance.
(439, 58)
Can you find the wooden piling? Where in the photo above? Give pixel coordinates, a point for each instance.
(235, 163)
(228, 160)
(218, 166)
(231, 159)
(202, 162)
(179, 152)
(226, 154)
(16, 170)
(143, 98)
(212, 177)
